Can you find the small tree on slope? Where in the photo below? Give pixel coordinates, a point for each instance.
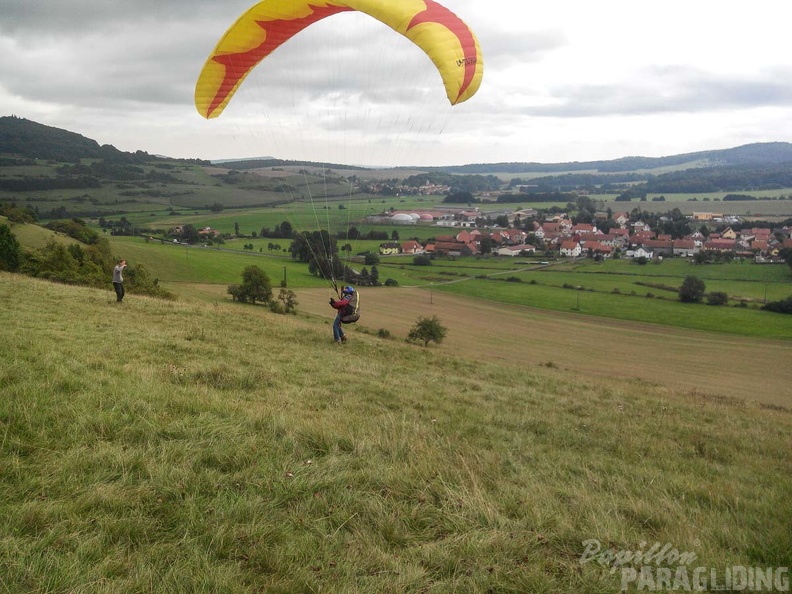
(427, 330)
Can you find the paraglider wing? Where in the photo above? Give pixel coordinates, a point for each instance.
(448, 42)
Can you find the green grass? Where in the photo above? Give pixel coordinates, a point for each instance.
(181, 264)
(34, 237)
(617, 289)
(163, 446)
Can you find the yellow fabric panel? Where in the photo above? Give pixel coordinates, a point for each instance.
(448, 42)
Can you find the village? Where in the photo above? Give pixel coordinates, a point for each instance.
(559, 236)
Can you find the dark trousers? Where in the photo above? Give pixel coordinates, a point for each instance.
(338, 332)
(119, 289)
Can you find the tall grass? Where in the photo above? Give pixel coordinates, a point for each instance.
(161, 446)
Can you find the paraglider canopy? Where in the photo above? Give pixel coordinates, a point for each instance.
(443, 36)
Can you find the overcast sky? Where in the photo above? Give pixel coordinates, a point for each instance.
(569, 80)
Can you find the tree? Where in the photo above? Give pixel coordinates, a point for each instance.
(395, 235)
(320, 251)
(428, 330)
(363, 278)
(372, 258)
(786, 254)
(702, 257)
(189, 234)
(422, 260)
(9, 249)
(256, 286)
(692, 290)
(286, 229)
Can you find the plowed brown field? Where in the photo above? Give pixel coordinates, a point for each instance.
(703, 362)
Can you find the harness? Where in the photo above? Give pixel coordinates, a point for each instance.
(352, 310)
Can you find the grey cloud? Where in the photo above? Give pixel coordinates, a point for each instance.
(503, 49)
(75, 16)
(669, 90)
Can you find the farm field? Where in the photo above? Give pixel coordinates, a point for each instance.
(615, 289)
(690, 361)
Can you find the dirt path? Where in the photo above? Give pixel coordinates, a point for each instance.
(720, 364)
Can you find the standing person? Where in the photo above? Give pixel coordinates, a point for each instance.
(347, 308)
(118, 280)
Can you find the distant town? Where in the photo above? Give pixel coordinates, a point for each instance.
(519, 233)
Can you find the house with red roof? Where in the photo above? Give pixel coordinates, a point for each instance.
(570, 248)
(684, 248)
(719, 245)
(411, 247)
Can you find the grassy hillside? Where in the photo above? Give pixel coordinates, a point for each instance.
(219, 448)
(34, 237)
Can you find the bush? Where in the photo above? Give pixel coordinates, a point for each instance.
(9, 249)
(287, 302)
(422, 260)
(784, 306)
(717, 298)
(391, 283)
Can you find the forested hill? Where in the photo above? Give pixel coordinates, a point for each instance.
(25, 139)
(765, 153)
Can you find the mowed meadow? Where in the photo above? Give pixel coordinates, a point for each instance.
(215, 447)
(583, 346)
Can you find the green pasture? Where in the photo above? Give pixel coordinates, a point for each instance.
(303, 216)
(172, 263)
(615, 289)
(748, 321)
(610, 289)
(618, 289)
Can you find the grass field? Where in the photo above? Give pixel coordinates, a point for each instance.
(198, 447)
(584, 346)
(182, 265)
(617, 289)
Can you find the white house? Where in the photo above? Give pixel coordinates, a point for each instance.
(641, 252)
(570, 248)
(515, 250)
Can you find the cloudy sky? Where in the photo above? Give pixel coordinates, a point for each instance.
(569, 80)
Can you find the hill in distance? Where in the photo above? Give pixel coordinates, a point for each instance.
(24, 138)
